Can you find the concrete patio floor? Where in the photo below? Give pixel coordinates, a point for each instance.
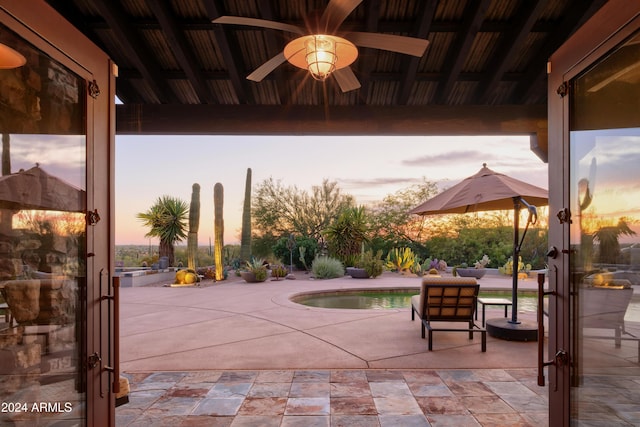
(186, 350)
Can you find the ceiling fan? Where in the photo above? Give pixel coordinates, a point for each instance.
(321, 51)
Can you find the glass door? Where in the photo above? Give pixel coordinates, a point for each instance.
(604, 237)
(43, 240)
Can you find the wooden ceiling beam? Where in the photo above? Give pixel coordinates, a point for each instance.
(366, 55)
(385, 26)
(410, 63)
(507, 47)
(236, 72)
(536, 77)
(346, 120)
(472, 20)
(274, 47)
(136, 51)
(182, 51)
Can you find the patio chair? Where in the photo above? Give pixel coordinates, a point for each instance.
(447, 299)
(122, 396)
(605, 307)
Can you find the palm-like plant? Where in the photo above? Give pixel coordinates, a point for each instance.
(347, 234)
(166, 219)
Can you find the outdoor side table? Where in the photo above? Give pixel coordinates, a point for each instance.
(493, 301)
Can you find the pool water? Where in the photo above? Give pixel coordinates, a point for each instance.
(380, 299)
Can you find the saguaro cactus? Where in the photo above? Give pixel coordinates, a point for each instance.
(245, 238)
(194, 224)
(218, 229)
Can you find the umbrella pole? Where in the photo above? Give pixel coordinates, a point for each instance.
(516, 260)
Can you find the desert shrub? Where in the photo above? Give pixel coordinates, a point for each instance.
(281, 251)
(278, 271)
(207, 272)
(327, 268)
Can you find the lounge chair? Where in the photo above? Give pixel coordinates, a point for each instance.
(447, 299)
(122, 396)
(605, 307)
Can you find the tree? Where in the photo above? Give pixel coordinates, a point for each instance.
(167, 220)
(283, 210)
(609, 236)
(391, 218)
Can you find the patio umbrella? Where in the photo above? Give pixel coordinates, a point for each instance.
(37, 189)
(485, 191)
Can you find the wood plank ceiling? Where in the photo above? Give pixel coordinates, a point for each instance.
(484, 68)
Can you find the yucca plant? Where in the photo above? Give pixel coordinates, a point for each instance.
(166, 220)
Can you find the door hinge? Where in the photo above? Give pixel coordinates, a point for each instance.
(94, 89)
(563, 89)
(93, 217)
(564, 215)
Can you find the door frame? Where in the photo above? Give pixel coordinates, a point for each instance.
(611, 25)
(42, 26)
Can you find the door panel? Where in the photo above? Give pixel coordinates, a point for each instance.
(43, 239)
(604, 236)
(593, 137)
(57, 133)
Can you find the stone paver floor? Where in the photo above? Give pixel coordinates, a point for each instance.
(358, 397)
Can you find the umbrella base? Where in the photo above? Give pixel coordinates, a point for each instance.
(502, 328)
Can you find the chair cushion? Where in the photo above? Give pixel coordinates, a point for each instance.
(124, 387)
(417, 301)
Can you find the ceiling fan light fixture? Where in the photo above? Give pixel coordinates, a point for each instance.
(9, 58)
(320, 54)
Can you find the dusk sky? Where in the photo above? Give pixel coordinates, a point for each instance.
(368, 168)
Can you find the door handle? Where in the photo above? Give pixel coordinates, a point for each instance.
(541, 294)
(115, 369)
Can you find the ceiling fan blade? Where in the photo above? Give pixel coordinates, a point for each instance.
(262, 23)
(346, 79)
(401, 44)
(263, 71)
(336, 12)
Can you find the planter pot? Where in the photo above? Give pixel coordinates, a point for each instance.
(357, 273)
(23, 299)
(250, 277)
(478, 273)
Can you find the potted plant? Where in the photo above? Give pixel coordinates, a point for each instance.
(255, 271)
(478, 270)
(368, 265)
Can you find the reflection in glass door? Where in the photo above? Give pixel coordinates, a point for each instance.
(604, 197)
(42, 241)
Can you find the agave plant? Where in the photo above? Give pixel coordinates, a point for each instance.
(257, 267)
(400, 259)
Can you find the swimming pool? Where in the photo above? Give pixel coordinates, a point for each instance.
(380, 299)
